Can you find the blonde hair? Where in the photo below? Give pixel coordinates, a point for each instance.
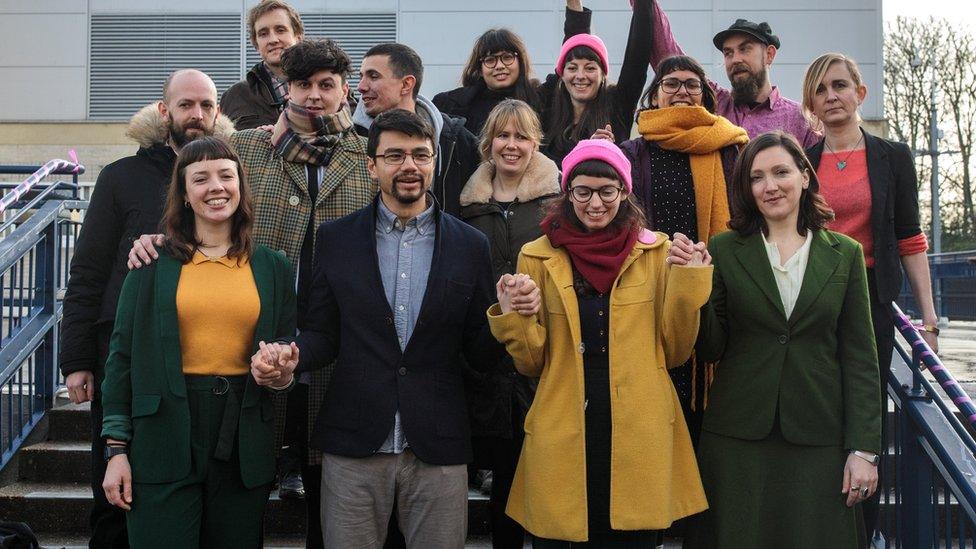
(815, 75)
(526, 122)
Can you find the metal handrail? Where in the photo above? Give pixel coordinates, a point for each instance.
(47, 169)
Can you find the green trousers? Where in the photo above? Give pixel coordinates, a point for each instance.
(211, 507)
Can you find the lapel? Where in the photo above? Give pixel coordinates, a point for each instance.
(335, 172)
(433, 293)
(561, 272)
(754, 260)
(264, 278)
(822, 263)
(366, 224)
(880, 178)
(167, 279)
(297, 174)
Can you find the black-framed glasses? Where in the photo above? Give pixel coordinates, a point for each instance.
(396, 158)
(507, 58)
(671, 85)
(582, 193)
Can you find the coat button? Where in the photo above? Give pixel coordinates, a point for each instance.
(402, 371)
(783, 339)
(389, 320)
(294, 200)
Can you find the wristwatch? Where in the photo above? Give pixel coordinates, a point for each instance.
(930, 328)
(873, 459)
(112, 451)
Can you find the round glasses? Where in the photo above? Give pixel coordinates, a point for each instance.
(396, 158)
(607, 194)
(507, 58)
(671, 85)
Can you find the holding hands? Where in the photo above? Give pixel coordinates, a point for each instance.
(685, 252)
(274, 364)
(518, 292)
(604, 133)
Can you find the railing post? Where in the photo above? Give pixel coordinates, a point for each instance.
(915, 477)
(47, 281)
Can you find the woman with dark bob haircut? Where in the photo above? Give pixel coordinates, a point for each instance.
(681, 164)
(790, 438)
(189, 431)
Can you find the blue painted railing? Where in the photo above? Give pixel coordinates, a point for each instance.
(928, 473)
(36, 241)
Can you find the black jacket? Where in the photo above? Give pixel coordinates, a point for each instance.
(894, 206)
(350, 322)
(499, 400)
(250, 103)
(457, 159)
(127, 202)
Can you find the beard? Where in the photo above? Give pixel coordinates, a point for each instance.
(746, 89)
(404, 198)
(179, 133)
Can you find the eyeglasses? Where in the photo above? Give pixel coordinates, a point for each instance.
(396, 158)
(507, 58)
(671, 85)
(582, 193)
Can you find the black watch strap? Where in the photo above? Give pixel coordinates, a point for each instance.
(112, 451)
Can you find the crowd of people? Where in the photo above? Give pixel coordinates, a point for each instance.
(354, 296)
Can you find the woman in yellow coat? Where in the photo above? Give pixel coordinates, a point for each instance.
(607, 458)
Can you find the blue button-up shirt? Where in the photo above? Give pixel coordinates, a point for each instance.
(405, 252)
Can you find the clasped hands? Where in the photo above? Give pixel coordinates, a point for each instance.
(273, 365)
(518, 292)
(685, 252)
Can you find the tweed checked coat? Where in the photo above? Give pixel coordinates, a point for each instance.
(282, 207)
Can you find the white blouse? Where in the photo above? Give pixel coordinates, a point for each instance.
(789, 275)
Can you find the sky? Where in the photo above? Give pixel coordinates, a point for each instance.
(962, 11)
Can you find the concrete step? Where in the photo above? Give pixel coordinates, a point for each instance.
(70, 422)
(53, 507)
(56, 461)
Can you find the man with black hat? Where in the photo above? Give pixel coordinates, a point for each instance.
(752, 103)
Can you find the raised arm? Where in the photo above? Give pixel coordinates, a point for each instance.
(633, 71)
(664, 44)
(577, 19)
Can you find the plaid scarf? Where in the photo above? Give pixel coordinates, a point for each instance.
(277, 87)
(308, 139)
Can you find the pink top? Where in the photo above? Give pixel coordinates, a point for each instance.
(848, 192)
(775, 113)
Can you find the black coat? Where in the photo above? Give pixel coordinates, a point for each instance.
(350, 322)
(894, 206)
(250, 103)
(127, 202)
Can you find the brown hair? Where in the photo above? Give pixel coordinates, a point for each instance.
(560, 209)
(179, 222)
(494, 41)
(672, 64)
(268, 6)
(746, 218)
(815, 75)
(524, 116)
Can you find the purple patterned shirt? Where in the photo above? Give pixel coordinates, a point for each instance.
(775, 113)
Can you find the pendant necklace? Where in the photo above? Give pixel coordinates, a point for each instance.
(843, 163)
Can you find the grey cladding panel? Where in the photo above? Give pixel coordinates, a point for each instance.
(132, 54)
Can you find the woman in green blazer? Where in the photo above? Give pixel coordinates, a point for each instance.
(792, 429)
(189, 431)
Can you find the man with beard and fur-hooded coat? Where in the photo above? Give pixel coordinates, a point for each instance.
(127, 202)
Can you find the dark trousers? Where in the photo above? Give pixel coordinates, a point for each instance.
(641, 539)
(504, 455)
(211, 507)
(884, 335)
(312, 479)
(107, 522)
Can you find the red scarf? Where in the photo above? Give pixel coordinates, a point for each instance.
(597, 255)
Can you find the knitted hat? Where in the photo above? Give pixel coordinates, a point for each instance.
(591, 41)
(598, 149)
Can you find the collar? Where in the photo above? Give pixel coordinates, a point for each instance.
(232, 262)
(387, 221)
(772, 250)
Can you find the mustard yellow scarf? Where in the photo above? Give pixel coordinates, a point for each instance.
(702, 135)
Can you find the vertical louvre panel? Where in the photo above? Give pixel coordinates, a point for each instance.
(131, 56)
(355, 32)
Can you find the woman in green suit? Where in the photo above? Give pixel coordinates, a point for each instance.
(792, 429)
(189, 431)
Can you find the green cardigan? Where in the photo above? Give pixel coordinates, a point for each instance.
(144, 392)
(817, 370)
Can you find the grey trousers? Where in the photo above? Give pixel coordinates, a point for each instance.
(358, 495)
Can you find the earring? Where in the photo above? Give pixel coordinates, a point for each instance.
(186, 204)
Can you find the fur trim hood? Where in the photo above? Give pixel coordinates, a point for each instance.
(541, 179)
(147, 127)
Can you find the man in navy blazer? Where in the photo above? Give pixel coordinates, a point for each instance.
(399, 294)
